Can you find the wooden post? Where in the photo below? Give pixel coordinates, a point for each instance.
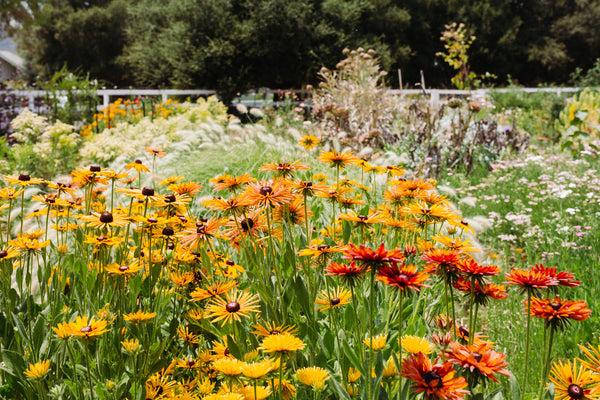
(422, 80)
(164, 97)
(400, 80)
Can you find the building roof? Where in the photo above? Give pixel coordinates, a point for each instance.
(12, 58)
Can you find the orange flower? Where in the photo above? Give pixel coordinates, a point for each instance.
(137, 165)
(372, 257)
(200, 232)
(348, 272)
(558, 312)
(479, 359)
(436, 381)
(284, 169)
(189, 188)
(307, 188)
(403, 277)
(336, 159)
(232, 183)
(564, 278)
(267, 194)
(214, 290)
(483, 292)
(443, 262)
(531, 280)
(155, 152)
(476, 271)
(362, 220)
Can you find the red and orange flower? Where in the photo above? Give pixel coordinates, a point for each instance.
(436, 381)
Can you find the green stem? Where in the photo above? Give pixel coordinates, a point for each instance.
(370, 352)
(280, 386)
(548, 358)
(527, 337)
(471, 310)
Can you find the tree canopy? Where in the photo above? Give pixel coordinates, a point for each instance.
(234, 45)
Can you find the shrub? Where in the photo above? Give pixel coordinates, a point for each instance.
(352, 104)
(580, 122)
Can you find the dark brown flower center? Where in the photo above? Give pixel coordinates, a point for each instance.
(24, 178)
(3, 253)
(229, 262)
(265, 190)
(432, 379)
(555, 305)
(95, 168)
(575, 391)
(138, 161)
(201, 229)
(168, 231)
(101, 238)
(148, 191)
(363, 217)
(86, 329)
(322, 247)
(275, 332)
(106, 217)
(123, 268)
(233, 307)
(477, 357)
(247, 224)
(335, 301)
(152, 220)
(170, 198)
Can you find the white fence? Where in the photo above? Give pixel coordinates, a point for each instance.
(164, 94)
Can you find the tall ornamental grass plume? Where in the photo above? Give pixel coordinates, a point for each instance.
(324, 277)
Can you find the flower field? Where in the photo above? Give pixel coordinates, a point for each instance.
(188, 255)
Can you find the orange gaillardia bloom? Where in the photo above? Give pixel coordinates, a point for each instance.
(564, 278)
(531, 280)
(348, 272)
(473, 270)
(375, 258)
(443, 262)
(437, 381)
(479, 359)
(557, 313)
(483, 292)
(403, 277)
(267, 194)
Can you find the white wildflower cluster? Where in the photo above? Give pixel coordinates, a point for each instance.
(57, 139)
(27, 127)
(541, 202)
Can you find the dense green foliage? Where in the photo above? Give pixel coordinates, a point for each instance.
(233, 45)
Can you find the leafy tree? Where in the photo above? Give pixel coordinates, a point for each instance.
(83, 36)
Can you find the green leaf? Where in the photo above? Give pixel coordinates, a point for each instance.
(515, 389)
